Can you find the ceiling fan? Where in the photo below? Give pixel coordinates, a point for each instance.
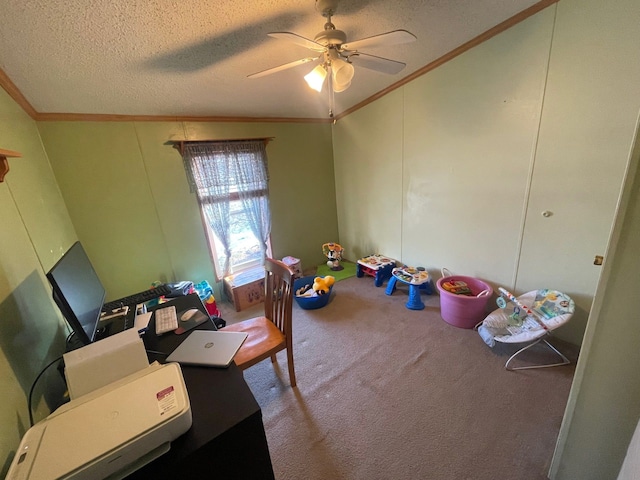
(336, 56)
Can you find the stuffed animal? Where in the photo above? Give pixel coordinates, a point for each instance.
(333, 252)
(322, 285)
(305, 291)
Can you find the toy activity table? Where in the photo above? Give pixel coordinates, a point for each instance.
(377, 266)
(417, 279)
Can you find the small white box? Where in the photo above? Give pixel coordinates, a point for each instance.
(294, 264)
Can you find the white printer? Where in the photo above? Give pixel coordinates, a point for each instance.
(108, 432)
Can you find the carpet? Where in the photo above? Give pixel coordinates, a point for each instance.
(349, 270)
(390, 393)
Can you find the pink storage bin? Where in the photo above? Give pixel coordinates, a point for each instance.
(464, 311)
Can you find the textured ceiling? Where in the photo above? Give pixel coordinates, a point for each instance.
(192, 57)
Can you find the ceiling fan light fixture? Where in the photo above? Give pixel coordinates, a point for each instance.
(340, 88)
(334, 54)
(341, 73)
(316, 77)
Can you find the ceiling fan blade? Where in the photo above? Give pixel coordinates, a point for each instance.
(378, 64)
(279, 68)
(395, 37)
(298, 40)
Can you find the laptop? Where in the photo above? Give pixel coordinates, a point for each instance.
(208, 348)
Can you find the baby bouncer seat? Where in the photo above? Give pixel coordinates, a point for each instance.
(529, 319)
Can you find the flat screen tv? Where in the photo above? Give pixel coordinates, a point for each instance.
(78, 292)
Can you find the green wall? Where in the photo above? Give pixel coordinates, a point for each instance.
(566, 105)
(604, 403)
(122, 191)
(130, 203)
(459, 165)
(506, 162)
(35, 230)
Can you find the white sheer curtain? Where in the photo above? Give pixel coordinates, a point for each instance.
(223, 172)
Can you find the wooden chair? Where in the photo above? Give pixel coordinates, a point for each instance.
(271, 333)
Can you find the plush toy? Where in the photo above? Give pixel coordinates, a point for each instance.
(322, 285)
(305, 291)
(333, 252)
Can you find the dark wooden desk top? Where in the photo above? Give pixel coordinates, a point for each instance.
(220, 398)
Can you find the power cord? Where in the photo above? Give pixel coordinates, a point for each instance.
(33, 385)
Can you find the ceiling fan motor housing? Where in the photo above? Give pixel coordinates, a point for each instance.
(331, 37)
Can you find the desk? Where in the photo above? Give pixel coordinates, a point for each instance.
(227, 438)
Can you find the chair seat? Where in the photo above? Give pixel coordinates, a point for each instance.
(264, 340)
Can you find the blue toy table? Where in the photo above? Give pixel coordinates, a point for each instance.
(416, 279)
(377, 266)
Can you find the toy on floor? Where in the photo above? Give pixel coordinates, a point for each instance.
(333, 252)
(417, 278)
(527, 319)
(320, 286)
(306, 297)
(377, 266)
(305, 291)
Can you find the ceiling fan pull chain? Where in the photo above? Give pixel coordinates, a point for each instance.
(331, 93)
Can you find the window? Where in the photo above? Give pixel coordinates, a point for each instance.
(245, 247)
(231, 183)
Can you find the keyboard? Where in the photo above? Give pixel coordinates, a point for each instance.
(136, 298)
(166, 320)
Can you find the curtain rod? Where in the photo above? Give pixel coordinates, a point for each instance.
(179, 144)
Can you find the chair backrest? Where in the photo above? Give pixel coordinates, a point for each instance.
(278, 299)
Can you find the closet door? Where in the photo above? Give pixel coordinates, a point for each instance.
(591, 105)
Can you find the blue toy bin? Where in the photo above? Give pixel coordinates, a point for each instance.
(309, 303)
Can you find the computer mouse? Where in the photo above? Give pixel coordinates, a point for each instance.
(188, 314)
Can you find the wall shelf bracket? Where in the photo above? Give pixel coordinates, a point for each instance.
(4, 163)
